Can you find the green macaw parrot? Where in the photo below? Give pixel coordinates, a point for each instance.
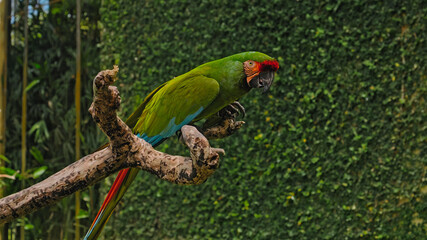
(195, 95)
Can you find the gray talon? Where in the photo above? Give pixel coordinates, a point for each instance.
(239, 107)
(232, 111)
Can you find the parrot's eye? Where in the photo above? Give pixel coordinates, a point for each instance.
(250, 64)
(251, 68)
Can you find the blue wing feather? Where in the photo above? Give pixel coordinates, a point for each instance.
(170, 129)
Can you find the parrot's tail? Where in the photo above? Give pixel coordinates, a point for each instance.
(117, 190)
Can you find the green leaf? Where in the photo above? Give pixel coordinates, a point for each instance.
(28, 226)
(39, 171)
(37, 155)
(4, 158)
(82, 214)
(369, 64)
(7, 170)
(55, 10)
(32, 84)
(36, 65)
(41, 131)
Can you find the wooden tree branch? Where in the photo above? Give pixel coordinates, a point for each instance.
(126, 150)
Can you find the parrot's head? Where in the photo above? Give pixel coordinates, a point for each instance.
(260, 74)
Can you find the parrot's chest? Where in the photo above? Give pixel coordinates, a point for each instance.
(225, 97)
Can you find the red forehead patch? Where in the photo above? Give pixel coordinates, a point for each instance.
(269, 65)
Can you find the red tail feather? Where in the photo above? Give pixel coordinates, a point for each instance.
(114, 188)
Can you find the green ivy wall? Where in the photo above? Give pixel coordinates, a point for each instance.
(336, 150)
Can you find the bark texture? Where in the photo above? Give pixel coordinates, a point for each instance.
(125, 150)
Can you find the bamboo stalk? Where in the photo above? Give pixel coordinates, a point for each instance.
(4, 51)
(4, 22)
(77, 102)
(24, 107)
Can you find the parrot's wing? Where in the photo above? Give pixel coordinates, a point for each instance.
(163, 112)
(177, 103)
(133, 118)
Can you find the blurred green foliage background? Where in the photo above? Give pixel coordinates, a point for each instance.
(51, 109)
(336, 150)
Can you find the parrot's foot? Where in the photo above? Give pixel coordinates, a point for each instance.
(226, 128)
(224, 123)
(232, 111)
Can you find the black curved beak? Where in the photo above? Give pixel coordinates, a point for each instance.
(263, 80)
